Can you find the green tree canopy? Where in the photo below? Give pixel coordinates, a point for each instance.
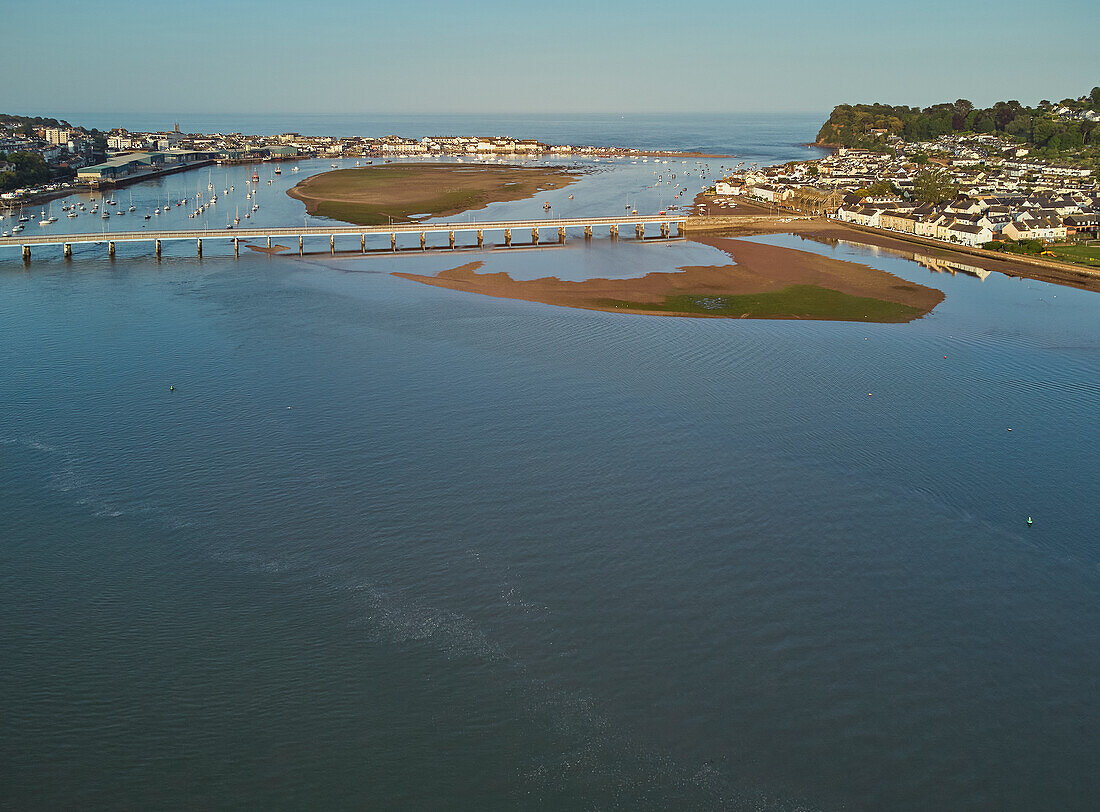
(933, 186)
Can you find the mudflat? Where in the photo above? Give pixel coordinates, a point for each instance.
(373, 195)
(766, 282)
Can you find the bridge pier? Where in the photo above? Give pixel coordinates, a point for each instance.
(588, 232)
(614, 232)
(111, 249)
(451, 238)
(362, 243)
(639, 230)
(480, 239)
(269, 242)
(423, 242)
(26, 253)
(198, 247)
(534, 236)
(156, 248)
(299, 245)
(332, 243)
(561, 235)
(507, 238)
(68, 250)
(393, 242)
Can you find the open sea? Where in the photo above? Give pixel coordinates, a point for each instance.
(391, 546)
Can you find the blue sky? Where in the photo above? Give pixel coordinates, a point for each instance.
(410, 56)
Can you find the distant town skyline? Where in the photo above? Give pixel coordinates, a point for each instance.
(489, 57)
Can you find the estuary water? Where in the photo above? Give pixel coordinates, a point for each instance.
(295, 533)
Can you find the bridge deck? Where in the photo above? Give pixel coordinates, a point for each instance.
(31, 239)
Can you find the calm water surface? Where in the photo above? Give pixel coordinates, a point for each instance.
(389, 545)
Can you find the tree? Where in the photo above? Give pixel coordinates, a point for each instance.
(933, 186)
(881, 188)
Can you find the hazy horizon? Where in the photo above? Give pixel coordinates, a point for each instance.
(493, 58)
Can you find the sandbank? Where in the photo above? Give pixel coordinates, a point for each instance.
(374, 195)
(766, 282)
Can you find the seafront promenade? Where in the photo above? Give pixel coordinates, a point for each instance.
(663, 223)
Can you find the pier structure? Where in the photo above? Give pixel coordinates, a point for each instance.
(155, 239)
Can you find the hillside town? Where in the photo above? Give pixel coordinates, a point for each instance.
(968, 190)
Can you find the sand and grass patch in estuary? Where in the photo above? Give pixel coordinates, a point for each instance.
(375, 195)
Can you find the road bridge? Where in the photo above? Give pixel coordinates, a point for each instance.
(662, 222)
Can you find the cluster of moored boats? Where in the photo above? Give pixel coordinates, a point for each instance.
(108, 207)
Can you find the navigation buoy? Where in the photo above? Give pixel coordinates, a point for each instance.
(171, 389)
(1029, 521)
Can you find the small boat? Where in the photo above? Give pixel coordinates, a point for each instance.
(295, 169)
(255, 177)
(278, 170)
(333, 165)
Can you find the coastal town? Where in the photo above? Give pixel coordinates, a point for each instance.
(964, 189)
(69, 157)
(970, 190)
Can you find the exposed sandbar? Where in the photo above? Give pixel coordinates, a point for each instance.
(373, 195)
(766, 282)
